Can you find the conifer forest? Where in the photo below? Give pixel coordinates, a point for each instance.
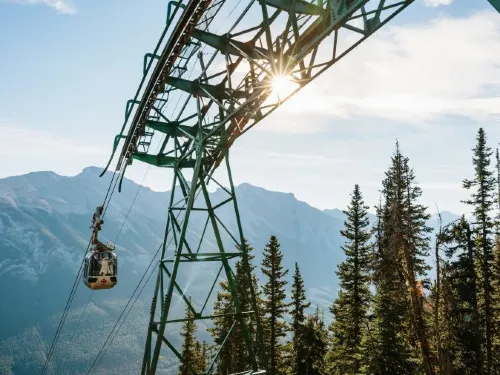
(390, 316)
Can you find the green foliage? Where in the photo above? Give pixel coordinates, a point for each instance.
(315, 344)
(234, 356)
(200, 357)
(352, 304)
(299, 305)
(482, 200)
(189, 353)
(274, 304)
(460, 334)
(223, 323)
(496, 303)
(399, 330)
(496, 274)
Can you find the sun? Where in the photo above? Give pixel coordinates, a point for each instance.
(282, 86)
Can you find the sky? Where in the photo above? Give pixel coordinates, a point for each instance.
(428, 79)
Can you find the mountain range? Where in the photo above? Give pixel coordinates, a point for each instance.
(44, 231)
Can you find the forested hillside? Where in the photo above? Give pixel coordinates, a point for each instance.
(44, 227)
(389, 317)
(340, 292)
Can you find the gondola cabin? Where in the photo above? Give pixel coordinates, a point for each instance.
(100, 270)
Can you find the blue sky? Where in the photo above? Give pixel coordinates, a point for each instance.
(429, 79)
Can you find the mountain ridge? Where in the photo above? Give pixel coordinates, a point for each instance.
(44, 222)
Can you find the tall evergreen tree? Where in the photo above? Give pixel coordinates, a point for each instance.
(234, 356)
(482, 200)
(351, 306)
(299, 305)
(247, 290)
(460, 326)
(414, 249)
(496, 306)
(315, 343)
(188, 332)
(436, 298)
(399, 328)
(200, 357)
(496, 275)
(274, 304)
(227, 362)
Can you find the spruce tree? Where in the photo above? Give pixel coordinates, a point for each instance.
(274, 304)
(299, 305)
(414, 249)
(436, 298)
(315, 343)
(247, 290)
(234, 356)
(189, 356)
(496, 306)
(399, 328)
(351, 306)
(460, 326)
(200, 357)
(482, 200)
(223, 308)
(496, 275)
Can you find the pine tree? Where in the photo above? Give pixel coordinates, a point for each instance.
(460, 326)
(234, 356)
(496, 306)
(399, 328)
(414, 248)
(315, 343)
(200, 357)
(299, 305)
(247, 290)
(274, 305)
(482, 200)
(436, 299)
(188, 332)
(223, 308)
(496, 275)
(351, 306)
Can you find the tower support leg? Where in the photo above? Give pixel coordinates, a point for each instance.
(219, 243)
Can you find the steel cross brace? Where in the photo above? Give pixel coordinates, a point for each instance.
(309, 39)
(495, 4)
(189, 251)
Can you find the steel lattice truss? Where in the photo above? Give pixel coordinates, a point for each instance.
(204, 86)
(495, 4)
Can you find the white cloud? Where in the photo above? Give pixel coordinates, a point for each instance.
(61, 6)
(436, 3)
(449, 66)
(280, 122)
(309, 159)
(36, 143)
(40, 150)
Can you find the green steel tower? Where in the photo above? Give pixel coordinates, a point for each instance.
(219, 68)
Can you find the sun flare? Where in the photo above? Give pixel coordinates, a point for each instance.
(283, 86)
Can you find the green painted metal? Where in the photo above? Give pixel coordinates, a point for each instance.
(145, 64)
(196, 119)
(172, 4)
(495, 4)
(228, 45)
(202, 89)
(173, 128)
(297, 6)
(184, 254)
(163, 160)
